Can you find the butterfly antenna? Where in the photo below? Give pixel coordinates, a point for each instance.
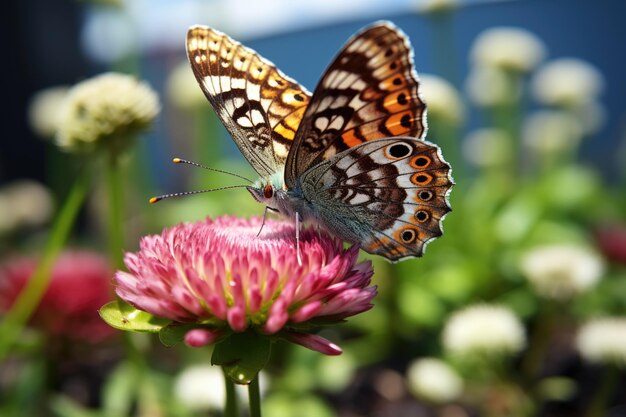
(164, 196)
(184, 161)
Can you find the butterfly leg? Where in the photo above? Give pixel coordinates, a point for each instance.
(267, 208)
(298, 238)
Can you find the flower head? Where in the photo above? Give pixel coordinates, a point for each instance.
(567, 82)
(182, 88)
(549, 132)
(434, 380)
(43, 110)
(483, 329)
(488, 147)
(24, 203)
(611, 239)
(508, 48)
(80, 283)
(220, 275)
(603, 340)
(490, 87)
(105, 110)
(561, 271)
(444, 101)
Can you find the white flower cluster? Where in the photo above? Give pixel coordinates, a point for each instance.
(603, 341)
(561, 271)
(443, 100)
(107, 107)
(488, 147)
(44, 110)
(24, 203)
(434, 380)
(484, 329)
(182, 88)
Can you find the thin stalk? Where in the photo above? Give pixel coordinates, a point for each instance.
(30, 296)
(230, 408)
(254, 396)
(599, 402)
(115, 186)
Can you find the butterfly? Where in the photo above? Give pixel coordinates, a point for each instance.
(351, 156)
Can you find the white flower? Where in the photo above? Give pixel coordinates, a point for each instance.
(442, 99)
(436, 6)
(43, 110)
(561, 271)
(568, 82)
(106, 107)
(201, 387)
(508, 48)
(484, 329)
(24, 203)
(487, 147)
(433, 380)
(603, 340)
(182, 88)
(551, 131)
(490, 86)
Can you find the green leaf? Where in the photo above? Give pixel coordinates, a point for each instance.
(120, 390)
(242, 355)
(174, 333)
(123, 316)
(63, 406)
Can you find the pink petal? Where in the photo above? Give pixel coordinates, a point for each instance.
(315, 342)
(201, 337)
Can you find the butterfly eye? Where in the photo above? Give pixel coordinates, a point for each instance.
(399, 150)
(421, 161)
(425, 195)
(408, 235)
(268, 191)
(421, 179)
(422, 216)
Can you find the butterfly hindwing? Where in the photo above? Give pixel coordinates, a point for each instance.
(389, 195)
(259, 106)
(370, 91)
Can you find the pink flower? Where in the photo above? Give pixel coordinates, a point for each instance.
(79, 285)
(219, 274)
(612, 241)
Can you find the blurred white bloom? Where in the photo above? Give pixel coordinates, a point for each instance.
(436, 6)
(603, 340)
(568, 82)
(490, 86)
(24, 203)
(182, 88)
(591, 116)
(487, 147)
(484, 329)
(561, 271)
(43, 110)
(508, 48)
(389, 384)
(433, 380)
(442, 99)
(551, 131)
(106, 108)
(201, 387)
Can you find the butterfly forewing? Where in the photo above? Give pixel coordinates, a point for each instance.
(370, 91)
(259, 106)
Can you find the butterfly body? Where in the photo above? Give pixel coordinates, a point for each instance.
(351, 157)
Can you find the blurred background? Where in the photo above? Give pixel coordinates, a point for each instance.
(526, 99)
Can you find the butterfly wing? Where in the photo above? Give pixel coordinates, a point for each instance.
(389, 195)
(259, 106)
(370, 91)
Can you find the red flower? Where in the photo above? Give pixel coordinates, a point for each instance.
(80, 284)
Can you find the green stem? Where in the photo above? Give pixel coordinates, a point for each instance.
(30, 296)
(598, 405)
(254, 396)
(115, 186)
(230, 408)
